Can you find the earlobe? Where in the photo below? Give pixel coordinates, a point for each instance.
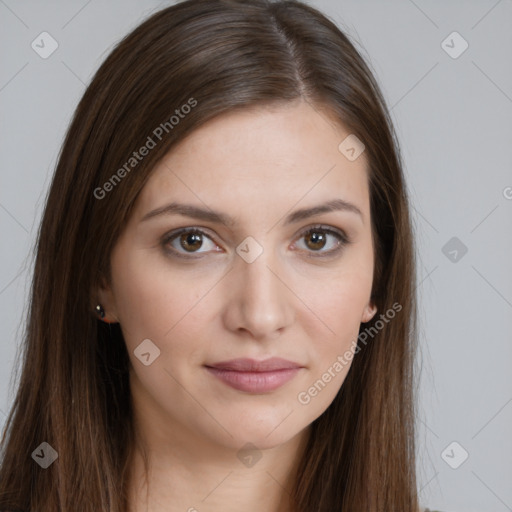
(104, 304)
(102, 315)
(369, 312)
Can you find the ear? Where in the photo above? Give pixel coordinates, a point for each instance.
(105, 297)
(369, 312)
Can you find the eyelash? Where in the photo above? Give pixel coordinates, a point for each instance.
(340, 235)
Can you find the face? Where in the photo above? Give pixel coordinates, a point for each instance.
(258, 280)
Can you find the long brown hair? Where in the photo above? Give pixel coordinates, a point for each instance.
(74, 391)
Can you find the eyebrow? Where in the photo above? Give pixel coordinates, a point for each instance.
(199, 213)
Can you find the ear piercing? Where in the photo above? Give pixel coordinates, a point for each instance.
(100, 311)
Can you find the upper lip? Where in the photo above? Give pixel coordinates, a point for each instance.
(251, 365)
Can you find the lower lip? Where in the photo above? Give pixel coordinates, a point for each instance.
(254, 382)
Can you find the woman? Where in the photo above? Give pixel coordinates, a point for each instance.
(223, 308)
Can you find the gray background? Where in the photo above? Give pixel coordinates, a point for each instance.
(453, 117)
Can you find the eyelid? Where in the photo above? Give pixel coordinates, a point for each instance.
(173, 234)
(340, 234)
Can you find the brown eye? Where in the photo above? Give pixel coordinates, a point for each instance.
(315, 240)
(188, 240)
(319, 237)
(191, 241)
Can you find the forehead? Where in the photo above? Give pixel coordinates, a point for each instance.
(262, 157)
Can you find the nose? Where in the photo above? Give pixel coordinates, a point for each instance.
(260, 302)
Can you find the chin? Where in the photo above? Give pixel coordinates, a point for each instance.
(264, 437)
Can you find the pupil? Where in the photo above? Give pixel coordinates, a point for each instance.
(189, 239)
(317, 239)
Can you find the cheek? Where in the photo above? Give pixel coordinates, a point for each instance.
(168, 306)
(150, 299)
(340, 301)
(333, 327)
(334, 316)
(340, 311)
(345, 302)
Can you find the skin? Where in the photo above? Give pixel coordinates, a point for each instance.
(256, 165)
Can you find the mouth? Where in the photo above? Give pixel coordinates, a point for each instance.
(254, 376)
